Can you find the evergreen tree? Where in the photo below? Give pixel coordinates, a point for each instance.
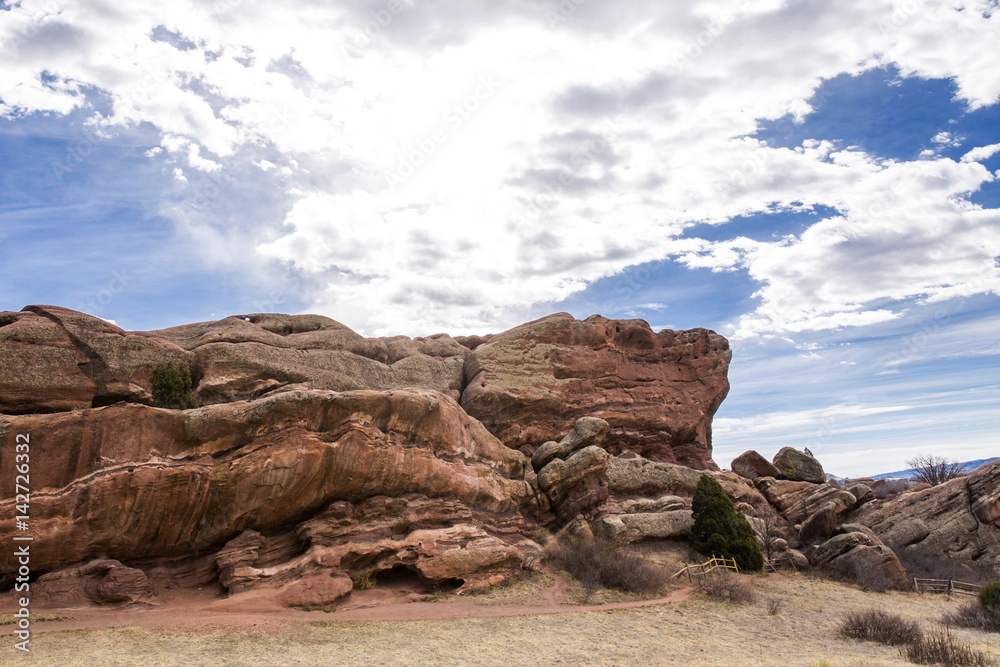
(171, 385)
(719, 530)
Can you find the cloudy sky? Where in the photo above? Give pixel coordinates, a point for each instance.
(819, 181)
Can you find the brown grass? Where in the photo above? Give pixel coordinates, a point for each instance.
(517, 589)
(728, 587)
(8, 619)
(697, 632)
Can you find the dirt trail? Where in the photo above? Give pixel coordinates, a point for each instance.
(203, 612)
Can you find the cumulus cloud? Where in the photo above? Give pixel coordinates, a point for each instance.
(453, 166)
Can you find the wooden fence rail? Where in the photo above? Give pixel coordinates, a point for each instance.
(709, 566)
(949, 586)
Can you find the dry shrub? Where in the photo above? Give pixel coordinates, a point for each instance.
(875, 625)
(940, 648)
(974, 615)
(598, 564)
(773, 605)
(365, 581)
(725, 585)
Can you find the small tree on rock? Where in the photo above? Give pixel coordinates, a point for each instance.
(719, 530)
(171, 385)
(934, 469)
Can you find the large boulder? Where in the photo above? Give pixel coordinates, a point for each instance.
(861, 555)
(658, 391)
(752, 465)
(798, 466)
(572, 473)
(98, 582)
(587, 431)
(316, 590)
(626, 528)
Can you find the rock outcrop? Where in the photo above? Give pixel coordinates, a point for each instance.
(529, 385)
(658, 391)
(858, 553)
(101, 487)
(957, 519)
(54, 359)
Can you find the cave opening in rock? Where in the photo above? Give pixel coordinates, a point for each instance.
(399, 577)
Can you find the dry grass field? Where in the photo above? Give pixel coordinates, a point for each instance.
(697, 631)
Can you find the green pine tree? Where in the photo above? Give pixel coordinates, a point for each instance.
(171, 385)
(719, 530)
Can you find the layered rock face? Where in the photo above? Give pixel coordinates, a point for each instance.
(138, 483)
(658, 391)
(529, 385)
(958, 519)
(320, 457)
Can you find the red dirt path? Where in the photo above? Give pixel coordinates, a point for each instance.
(203, 611)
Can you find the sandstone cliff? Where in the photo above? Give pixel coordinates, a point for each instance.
(320, 457)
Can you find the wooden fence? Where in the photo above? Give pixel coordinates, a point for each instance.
(949, 586)
(711, 565)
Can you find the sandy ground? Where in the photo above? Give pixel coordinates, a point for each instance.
(525, 624)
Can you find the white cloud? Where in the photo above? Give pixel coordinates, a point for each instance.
(946, 139)
(981, 153)
(823, 419)
(544, 155)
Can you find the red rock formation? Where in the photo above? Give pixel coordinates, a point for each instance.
(658, 391)
(528, 385)
(352, 458)
(957, 519)
(100, 489)
(54, 359)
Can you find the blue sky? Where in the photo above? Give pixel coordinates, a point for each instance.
(816, 181)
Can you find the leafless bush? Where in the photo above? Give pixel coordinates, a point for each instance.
(875, 625)
(934, 469)
(768, 532)
(727, 586)
(940, 648)
(598, 564)
(773, 605)
(974, 615)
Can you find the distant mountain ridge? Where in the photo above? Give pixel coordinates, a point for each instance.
(969, 466)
